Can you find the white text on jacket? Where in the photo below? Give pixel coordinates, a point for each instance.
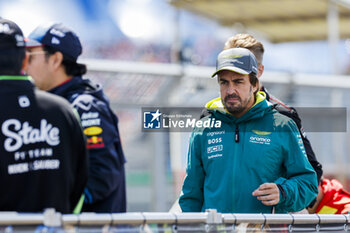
(26, 134)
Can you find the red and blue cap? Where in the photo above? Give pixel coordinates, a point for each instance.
(58, 37)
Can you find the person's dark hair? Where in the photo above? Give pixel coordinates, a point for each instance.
(254, 81)
(71, 67)
(11, 60)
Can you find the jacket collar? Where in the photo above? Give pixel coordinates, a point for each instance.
(257, 110)
(15, 77)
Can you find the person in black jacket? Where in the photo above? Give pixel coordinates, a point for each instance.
(43, 162)
(59, 73)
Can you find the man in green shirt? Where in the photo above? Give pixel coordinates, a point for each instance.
(256, 159)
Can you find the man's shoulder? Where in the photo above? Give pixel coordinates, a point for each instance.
(204, 113)
(88, 101)
(54, 106)
(82, 97)
(282, 107)
(78, 88)
(282, 121)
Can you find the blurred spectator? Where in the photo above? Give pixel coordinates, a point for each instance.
(331, 198)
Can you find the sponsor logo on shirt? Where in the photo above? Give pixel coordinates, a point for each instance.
(90, 122)
(35, 159)
(214, 140)
(301, 144)
(258, 132)
(215, 144)
(214, 156)
(23, 101)
(216, 148)
(211, 134)
(19, 134)
(95, 142)
(260, 137)
(47, 164)
(89, 115)
(84, 106)
(90, 119)
(94, 130)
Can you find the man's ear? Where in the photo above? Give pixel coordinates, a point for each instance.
(56, 60)
(257, 87)
(260, 70)
(25, 64)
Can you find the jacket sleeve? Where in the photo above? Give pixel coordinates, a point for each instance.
(293, 114)
(191, 199)
(106, 158)
(299, 185)
(80, 160)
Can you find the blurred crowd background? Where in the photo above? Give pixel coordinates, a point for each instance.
(148, 30)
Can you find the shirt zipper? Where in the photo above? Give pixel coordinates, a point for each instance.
(237, 134)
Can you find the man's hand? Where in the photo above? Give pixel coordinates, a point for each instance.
(268, 194)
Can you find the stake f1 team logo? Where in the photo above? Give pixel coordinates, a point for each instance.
(151, 120)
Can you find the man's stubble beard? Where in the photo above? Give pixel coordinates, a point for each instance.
(237, 109)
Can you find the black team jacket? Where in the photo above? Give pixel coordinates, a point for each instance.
(43, 162)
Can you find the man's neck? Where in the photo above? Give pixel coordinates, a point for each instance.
(59, 79)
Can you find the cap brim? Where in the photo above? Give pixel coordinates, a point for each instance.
(32, 43)
(231, 68)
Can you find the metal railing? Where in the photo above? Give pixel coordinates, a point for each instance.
(209, 221)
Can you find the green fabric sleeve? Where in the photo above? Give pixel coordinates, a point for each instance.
(300, 181)
(79, 206)
(191, 199)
